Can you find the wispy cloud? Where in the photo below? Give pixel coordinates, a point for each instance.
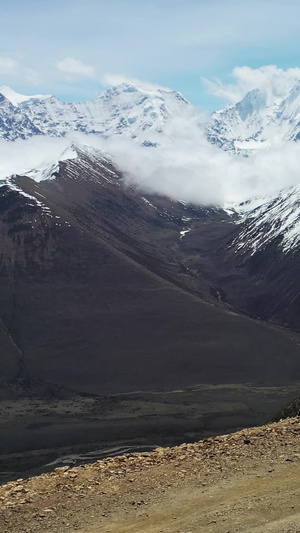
(8, 66)
(73, 67)
(274, 81)
(21, 156)
(33, 77)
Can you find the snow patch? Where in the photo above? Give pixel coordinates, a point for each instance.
(184, 232)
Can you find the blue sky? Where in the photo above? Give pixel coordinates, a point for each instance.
(74, 49)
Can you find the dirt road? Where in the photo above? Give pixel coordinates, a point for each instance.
(245, 482)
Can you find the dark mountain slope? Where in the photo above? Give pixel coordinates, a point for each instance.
(10, 357)
(90, 300)
(262, 283)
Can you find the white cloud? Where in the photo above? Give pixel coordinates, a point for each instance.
(274, 81)
(20, 156)
(8, 66)
(74, 68)
(186, 167)
(33, 77)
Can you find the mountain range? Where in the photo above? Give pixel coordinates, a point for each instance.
(139, 112)
(107, 289)
(134, 112)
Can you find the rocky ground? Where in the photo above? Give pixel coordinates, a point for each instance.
(243, 482)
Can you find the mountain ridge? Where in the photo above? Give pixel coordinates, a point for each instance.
(128, 109)
(125, 109)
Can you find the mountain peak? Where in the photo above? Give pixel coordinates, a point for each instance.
(17, 98)
(252, 102)
(139, 88)
(293, 96)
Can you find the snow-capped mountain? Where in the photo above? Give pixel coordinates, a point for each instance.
(257, 121)
(272, 220)
(240, 123)
(14, 123)
(17, 98)
(133, 111)
(141, 113)
(50, 170)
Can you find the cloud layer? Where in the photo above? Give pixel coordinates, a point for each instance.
(184, 167)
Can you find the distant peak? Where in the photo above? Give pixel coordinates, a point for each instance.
(75, 149)
(17, 98)
(254, 96)
(140, 86)
(293, 93)
(129, 88)
(136, 86)
(252, 102)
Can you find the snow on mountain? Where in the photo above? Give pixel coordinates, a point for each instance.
(78, 160)
(17, 98)
(142, 112)
(133, 111)
(270, 220)
(289, 114)
(50, 168)
(241, 123)
(14, 123)
(256, 121)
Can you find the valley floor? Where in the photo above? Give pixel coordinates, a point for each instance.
(243, 482)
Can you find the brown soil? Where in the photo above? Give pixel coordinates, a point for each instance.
(244, 482)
